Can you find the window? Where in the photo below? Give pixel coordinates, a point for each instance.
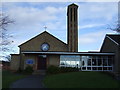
(87, 63)
(110, 62)
(62, 62)
(84, 60)
(94, 62)
(70, 60)
(99, 62)
(74, 15)
(70, 14)
(105, 62)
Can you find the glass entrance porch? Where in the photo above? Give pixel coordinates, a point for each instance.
(87, 63)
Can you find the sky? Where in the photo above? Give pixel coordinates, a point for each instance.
(94, 19)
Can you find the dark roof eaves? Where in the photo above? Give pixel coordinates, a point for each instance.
(108, 36)
(14, 54)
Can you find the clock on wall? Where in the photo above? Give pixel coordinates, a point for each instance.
(45, 47)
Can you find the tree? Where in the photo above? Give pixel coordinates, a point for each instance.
(4, 21)
(117, 28)
(5, 38)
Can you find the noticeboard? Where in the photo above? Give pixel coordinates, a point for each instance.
(29, 61)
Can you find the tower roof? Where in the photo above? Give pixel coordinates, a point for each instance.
(73, 5)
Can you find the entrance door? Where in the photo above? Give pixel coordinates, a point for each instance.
(41, 64)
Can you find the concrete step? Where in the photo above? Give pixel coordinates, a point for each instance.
(39, 72)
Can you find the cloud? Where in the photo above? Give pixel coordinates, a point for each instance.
(90, 26)
(60, 0)
(90, 37)
(30, 16)
(93, 37)
(33, 19)
(97, 12)
(92, 41)
(30, 20)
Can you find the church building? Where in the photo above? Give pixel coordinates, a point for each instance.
(45, 50)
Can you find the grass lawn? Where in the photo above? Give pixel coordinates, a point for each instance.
(80, 80)
(9, 77)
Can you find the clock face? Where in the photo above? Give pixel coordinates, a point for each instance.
(45, 47)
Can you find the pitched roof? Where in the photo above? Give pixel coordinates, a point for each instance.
(73, 5)
(114, 37)
(45, 32)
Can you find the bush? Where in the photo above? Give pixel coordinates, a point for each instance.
(28, 70)
(52, 70)
(19, 70)
(68, 69)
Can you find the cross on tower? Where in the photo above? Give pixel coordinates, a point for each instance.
(45, 27)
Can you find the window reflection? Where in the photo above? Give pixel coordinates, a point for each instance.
(71, 60)
(99, 62)
(89, 62)
(93, 63)
(105, 62)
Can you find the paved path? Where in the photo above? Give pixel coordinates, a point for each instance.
(33, 81)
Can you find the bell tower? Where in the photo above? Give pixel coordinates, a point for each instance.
(72, 27)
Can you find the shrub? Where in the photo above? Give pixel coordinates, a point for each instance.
(28, 69)
(19, 70)
(52, 70)
(68, 69)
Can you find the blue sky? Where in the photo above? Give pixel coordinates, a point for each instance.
(30, 18)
